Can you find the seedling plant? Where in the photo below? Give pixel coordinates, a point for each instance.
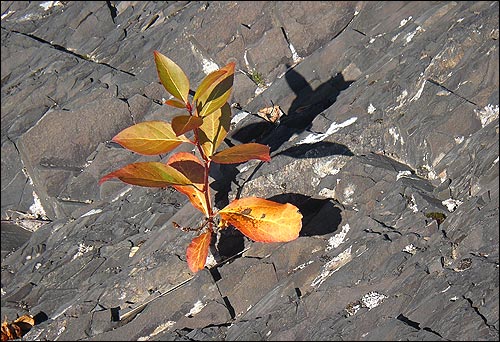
(208, 116)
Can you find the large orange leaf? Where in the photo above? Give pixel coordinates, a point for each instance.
(191, 167)
(214, 129)
(152, 174)
(242, 153)
(263, 220)
(172, 77)
(183, 123)
(217, 93)
(197, 251)
(149, 138)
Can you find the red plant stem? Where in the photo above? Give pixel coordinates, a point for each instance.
(206, 163)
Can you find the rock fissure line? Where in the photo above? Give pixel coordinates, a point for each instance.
(65, 50)
(476, 309)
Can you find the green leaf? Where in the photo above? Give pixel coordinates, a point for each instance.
(217, 93)
(149, 138)
(184, 123)
(172, 77)
(150, 174)
(214, 129)
(242, 153)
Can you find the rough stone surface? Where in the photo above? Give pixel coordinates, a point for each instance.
(388, 146)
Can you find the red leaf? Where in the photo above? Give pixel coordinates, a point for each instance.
(191, 167)
(183, 123)
(263, 220)
(175, 103)
(197, 251)
(242, 153)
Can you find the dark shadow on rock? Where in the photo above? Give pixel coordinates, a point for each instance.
(40, 317)
(319, 216)
(307, 104)
(317, 150)
(231, 242)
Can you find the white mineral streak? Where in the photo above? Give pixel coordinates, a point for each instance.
(36, 208)
(196, 308)
(404, 21)
(49, 4)
(92, 212)
(410, 249)
(338, 239)
(348, 192)
(334, 127)
(82, 249)
(238, 117)
(393, 131)
(129, 188)
(162, 327)
(488, 114)
(332, 266)
(402, 174)
(452, 204)
(372, 299)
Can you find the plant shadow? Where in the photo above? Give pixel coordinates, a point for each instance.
(320, 216)
(307, 104)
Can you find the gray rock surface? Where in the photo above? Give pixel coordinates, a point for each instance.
(388, 146)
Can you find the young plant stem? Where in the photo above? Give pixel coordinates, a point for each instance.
(206, 164)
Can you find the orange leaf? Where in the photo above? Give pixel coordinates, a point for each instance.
(214, 129)
(183, 123)
(172, 77)
(191, 167)
(242, 153)
(175, 103)
(149, 138)
(197, 251)
(18, 328)
(263, 220)
(218, 93)
(152, 174)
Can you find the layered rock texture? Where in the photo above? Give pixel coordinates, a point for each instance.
(388, 146)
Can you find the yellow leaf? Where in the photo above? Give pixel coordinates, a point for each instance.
(214, 129)
(172, 77)
(149, 138)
